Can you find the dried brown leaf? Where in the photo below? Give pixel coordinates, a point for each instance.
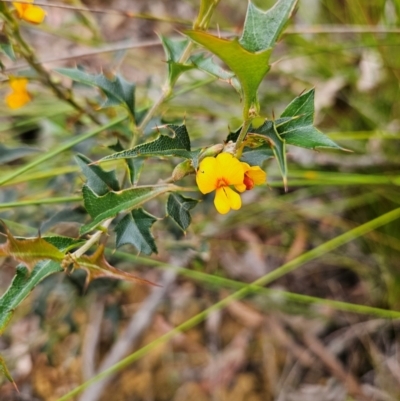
(97, 266)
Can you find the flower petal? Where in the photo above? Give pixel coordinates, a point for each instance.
(206, 176)
(18, 84)
(234, 199)
(16, 100)
(257, 175)
(221, 201)
(29, 12)
(241, 187)
(34, 14)
(230, 169)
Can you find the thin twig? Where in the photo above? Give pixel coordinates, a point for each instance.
(124, 13)
(91, 339)
(123, 45)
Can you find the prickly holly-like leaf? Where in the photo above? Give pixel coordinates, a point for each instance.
(164, 145)
(6, 373)
(10, 154)
(63, 244)
(8, 50)
(99, 180)
(117, 90)
(174, 49)
(262, 28)
(178, 208)
(134, 229)
(29, 251)
(256, 157)
(276, 143)
(249, 68)
(299, 129)
(97, 266)
(134, 165)
(208, 65)
(21, 286)
(109, 205)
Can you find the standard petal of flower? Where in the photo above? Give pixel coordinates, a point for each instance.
(206, 176)
(18, 84)
(230, 168)
(221, 201)
(29, 12)
(34, 14)
(257, 175)
(16, 100)
(234, 199)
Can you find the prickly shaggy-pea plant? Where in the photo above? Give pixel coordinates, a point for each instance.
(114, 200)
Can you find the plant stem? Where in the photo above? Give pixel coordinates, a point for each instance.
(243, 132)
(166, 92)
(92, 240)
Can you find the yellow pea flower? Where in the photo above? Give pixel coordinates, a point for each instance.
(253, 175)
(29, 12)
(218, 174)
(18, 96)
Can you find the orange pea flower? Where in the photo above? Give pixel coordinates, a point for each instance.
(19, 95)
(29, 12)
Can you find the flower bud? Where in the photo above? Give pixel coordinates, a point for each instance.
(211, 151)
(182, 169)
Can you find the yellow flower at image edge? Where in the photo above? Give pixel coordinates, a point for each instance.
(29, 12)
(19, 96)
(220, 173)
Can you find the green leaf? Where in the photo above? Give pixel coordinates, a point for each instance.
(22, 284)
(109, 205)
(276, 143)
(99, 180)
(63, 244)
(174, 49)
(208, 65)
(298, 129)
(164, 145)
(8, 50)
(262, 28)
(134, 165)
(117, 90)
(178, 208)
(249, 68)
(10, 154)
(256, 157)
(134, 229)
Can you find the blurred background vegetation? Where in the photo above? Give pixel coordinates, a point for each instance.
(265, 347)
